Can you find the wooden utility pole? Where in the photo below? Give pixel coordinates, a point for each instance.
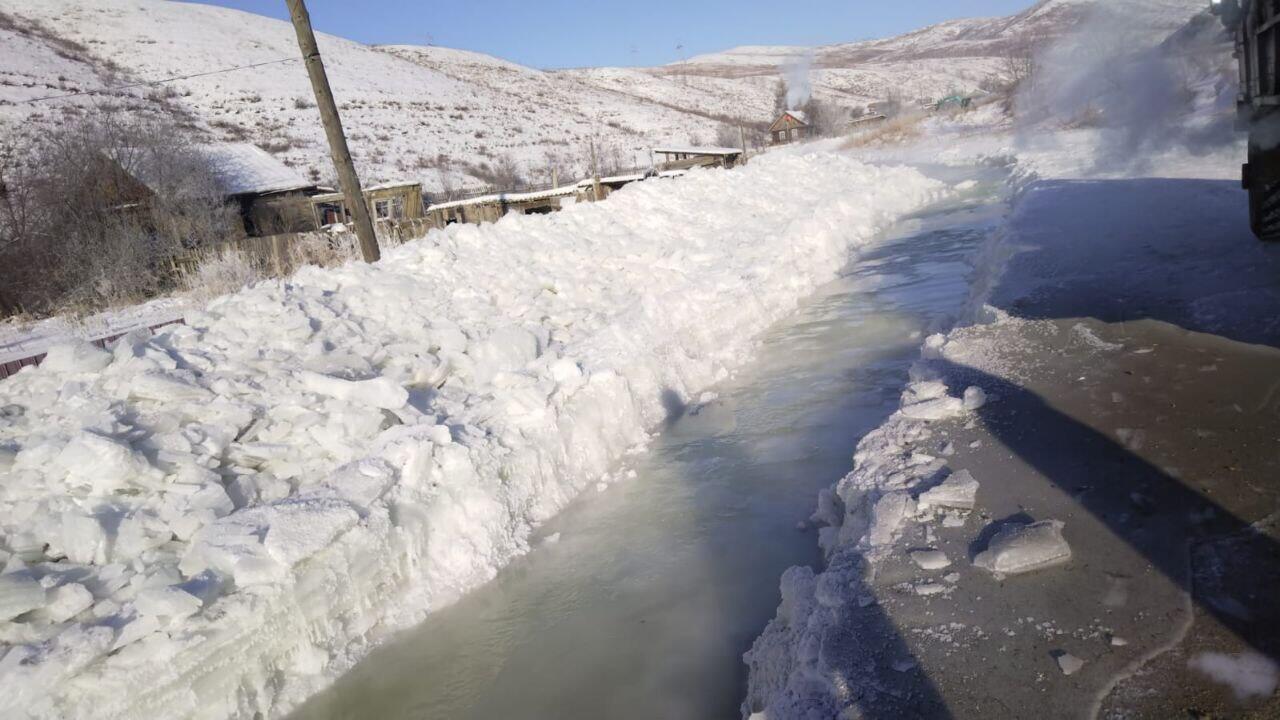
(347, 176)
(742, 129)
(595, 172)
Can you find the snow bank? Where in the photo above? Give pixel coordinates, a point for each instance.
(216, 520)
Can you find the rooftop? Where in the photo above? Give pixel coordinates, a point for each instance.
(698, 151)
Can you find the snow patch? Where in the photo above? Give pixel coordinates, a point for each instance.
(1248, 674)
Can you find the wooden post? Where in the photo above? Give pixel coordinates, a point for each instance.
(742, 129)
(278, 248)
(595, 172)
(347, 176)
(555, 178)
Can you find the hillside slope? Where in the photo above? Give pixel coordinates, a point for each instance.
(450, 117)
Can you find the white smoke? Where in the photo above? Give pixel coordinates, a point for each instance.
(796, 75)
(1113, 72)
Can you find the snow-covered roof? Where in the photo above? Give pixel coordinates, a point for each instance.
(506, 197)
(244, 169)
(698, 151)
(800, 115)
(392, 185)
(613, 179)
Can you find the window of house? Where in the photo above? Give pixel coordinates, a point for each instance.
(389, 209)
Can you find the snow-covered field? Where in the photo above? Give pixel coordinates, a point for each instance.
(216, 520)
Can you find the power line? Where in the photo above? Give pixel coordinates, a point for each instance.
(154, 82)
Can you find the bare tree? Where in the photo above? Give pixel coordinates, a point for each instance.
(728, 136)
(1018, 66)
(94, 208)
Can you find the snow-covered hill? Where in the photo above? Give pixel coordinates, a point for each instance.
(443, 116)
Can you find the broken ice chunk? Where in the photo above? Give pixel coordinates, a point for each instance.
(84, 540)
(930, 559)
(103, 463)
(361, 483)
(933, 346)
(887, 515)
(1023, 548)
(927, 589)
(974, 398)
(141, 627)
(79, 356)
(936, 409)
(162, 387)
(380, 392)
(172, 602)
(67, 601)
(959, 491)
(19, 593)
(1069, 664)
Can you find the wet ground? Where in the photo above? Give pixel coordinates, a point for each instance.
(1136, 398)
(639, 601)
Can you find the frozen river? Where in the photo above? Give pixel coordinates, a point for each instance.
(639, 601)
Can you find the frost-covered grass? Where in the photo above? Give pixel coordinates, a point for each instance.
(216, 520)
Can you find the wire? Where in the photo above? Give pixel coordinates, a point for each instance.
(153, 82)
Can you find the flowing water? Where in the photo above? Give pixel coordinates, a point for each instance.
(638, 601)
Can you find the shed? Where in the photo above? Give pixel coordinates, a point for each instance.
(683, 158)
(866, 122)
(271, 195)
(792, 125)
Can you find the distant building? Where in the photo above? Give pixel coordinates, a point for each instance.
(683, 158)
(866, 122)
(793, 125)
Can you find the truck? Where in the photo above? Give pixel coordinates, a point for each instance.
(1256, 24)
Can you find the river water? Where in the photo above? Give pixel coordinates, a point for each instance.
(639, 601)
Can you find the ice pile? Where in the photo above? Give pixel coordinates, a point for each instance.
(928, 400)
(216, 520)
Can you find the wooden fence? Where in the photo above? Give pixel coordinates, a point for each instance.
(11, 367)
(280, 255)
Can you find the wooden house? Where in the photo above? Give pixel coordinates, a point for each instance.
(389, 203)
(791, 126)
(270, 196)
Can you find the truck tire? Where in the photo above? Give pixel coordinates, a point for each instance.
(1262, 179)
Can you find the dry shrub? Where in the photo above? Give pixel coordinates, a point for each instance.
(79, 231)
(223, 273)
(324, 249)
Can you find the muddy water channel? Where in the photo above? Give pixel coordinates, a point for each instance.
(638, 601)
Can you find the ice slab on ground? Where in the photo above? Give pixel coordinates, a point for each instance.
(1069, 664)
(959, 490)
(1023, 548)
(930, 559)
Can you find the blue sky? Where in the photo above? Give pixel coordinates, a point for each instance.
(560, 33)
